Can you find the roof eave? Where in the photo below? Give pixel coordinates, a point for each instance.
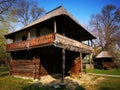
(54, 13)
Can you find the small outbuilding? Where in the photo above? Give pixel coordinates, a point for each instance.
(104, 60)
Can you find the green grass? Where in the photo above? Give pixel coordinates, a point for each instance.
(109, 84)
(109, 72)
(8, 82)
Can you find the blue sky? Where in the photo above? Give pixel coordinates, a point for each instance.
(80, 9)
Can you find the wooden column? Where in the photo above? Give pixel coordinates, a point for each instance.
(55, 27)
(88, 43)
(28, 35)
(28, 38)
(90, 57)
(63, 64)
(91, 43)
(81, 66)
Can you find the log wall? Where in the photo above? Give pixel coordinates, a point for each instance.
(27, 68)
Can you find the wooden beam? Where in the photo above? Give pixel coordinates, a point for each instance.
(63, 64)
(55, 27)
(81, 66)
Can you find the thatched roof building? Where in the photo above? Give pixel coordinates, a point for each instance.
(104, 54)
(104, 60)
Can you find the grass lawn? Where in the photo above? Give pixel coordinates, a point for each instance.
(109, 72)
(12, 83)
(109, 84)
(103, 83)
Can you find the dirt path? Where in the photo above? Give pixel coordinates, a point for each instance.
(106, 75)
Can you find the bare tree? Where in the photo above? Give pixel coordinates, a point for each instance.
(5, 6)
(106, 25)
(26, 11)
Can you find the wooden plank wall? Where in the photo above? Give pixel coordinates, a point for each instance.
(27, 68)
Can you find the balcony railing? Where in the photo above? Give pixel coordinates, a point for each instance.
(46, 39)
(16, 45)
(41, 40)
(31, 43)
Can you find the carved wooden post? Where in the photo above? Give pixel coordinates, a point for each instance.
(55, 27)
(90, 57)
(63, 64)
(81, 66)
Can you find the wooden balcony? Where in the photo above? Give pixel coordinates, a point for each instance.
(56, 39)
(46, 39)
(42, 40)
(16, 45)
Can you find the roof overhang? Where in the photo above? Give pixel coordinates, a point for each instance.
(60, 11)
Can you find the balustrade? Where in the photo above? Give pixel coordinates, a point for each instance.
(46, 39)
(31, 43)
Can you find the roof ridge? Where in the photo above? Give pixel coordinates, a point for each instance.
(54, 9)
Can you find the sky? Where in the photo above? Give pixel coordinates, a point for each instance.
(80, 9)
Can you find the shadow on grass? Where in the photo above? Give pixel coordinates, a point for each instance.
(4, 74)
(72, 85)
(108, 88)
(54, 85)
(33, 87)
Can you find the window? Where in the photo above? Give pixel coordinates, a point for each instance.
(24, 37)
(37, 32)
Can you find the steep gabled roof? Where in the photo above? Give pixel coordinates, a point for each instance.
(104, 54)
(53, 13)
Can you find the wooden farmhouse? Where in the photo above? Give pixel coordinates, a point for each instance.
(48, 45)
(104, 60)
